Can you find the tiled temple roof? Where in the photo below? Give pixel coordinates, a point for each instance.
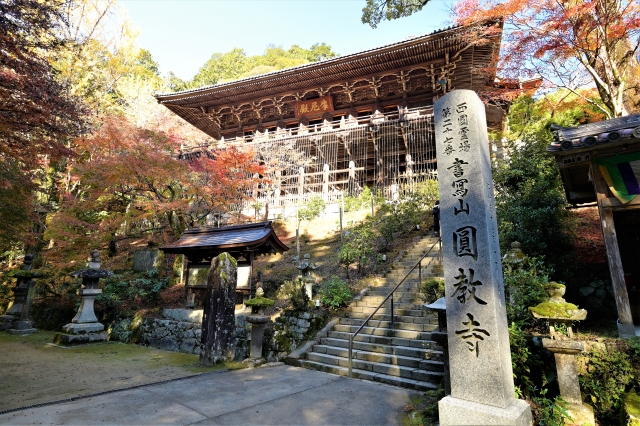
(322, 66)
(589, 135)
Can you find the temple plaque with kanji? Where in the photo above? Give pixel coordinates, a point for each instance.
(482, 390)
(314, 106)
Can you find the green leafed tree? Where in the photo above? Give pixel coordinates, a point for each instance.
(236, 64)
(376, 11)
(530, 199)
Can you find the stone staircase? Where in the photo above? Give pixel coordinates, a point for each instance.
(401, 356)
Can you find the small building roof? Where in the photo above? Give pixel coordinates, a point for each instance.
(575, 148)
(259, 238)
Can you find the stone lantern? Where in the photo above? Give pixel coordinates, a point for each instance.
(84, 327)
(561, 315)
(17, 319)
(441, 338)
(306, 268)
(258, 321)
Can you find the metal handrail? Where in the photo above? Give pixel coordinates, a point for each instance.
(390, 295)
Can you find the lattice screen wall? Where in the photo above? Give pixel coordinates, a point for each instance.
(389, 156)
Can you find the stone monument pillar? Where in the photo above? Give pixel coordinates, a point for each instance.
(482, 389)
(84, 327)
(218, 320)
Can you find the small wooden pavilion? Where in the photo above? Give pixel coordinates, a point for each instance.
(600, 162)
(243, 242)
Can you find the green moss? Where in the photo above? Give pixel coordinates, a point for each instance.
(632, 406)
(23, 273)
(226, 255)
(554, 285)
(555, 310)
(259, 302)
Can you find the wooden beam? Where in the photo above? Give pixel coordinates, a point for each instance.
(614, 202)
(613, 251)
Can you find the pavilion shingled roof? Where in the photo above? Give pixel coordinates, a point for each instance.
(257, 237)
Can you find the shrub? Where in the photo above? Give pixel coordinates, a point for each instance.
(524, 281)
(604, 380)
(335, 293)
(123, 293)
(527, 366)
(358, 246)
(433, 289)
(296, 293)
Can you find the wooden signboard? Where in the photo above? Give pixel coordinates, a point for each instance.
(314, 106)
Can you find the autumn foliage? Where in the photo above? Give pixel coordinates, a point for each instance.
(127, 183)
(569, 43)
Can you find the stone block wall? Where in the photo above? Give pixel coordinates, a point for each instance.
(172, 335)
(292, 328)
(180, 332)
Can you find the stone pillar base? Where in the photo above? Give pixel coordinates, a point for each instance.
(626, 331)
(22, 327)
(6, 321)
(81, 333)
(581, 414)
(454, 411)
(74, 339)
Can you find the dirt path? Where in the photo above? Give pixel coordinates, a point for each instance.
(33, 370)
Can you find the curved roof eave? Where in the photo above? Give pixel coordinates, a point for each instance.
(202, 91)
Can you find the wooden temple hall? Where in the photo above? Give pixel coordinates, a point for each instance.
(336, 126)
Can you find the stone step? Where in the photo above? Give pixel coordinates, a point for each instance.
(374, 302)
(412, 373)
(387, 316)
(418, 361)
(344, 330)
(401, 327)
(387, 325)
(386, 321)
(403, 355)
(383, 292)
(376, 377)
(384, 340)
(398, 308)
(431, 351)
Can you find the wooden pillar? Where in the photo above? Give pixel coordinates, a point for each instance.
(301, 185)
(325, 182)
(277, 188)
(352, 178)
(255, 187)
(625, 321)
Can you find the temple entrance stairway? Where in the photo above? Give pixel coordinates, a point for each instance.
(402, 356)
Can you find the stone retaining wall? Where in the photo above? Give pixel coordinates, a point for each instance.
(183, 331)
(172, 335)
(292, 328)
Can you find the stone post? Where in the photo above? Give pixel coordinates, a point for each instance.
(218, 320)
(482, 389)
(258, 323)
(565, 352)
